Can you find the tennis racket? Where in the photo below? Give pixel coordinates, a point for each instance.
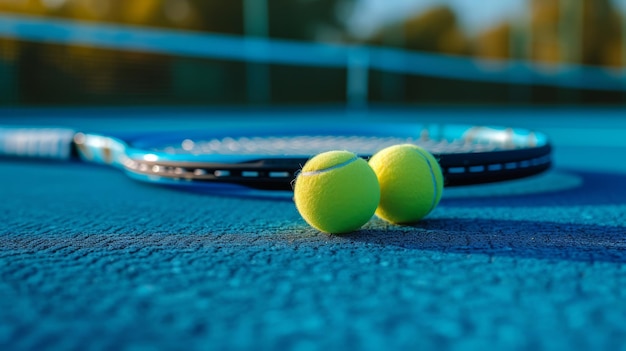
(249, 160)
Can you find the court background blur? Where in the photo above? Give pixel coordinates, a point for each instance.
(394, 52)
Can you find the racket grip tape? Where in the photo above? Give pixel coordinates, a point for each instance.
(49, 143)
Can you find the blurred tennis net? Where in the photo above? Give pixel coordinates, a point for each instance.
(206, 67)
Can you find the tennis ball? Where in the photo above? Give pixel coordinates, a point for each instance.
(336, 192)
(411, 183)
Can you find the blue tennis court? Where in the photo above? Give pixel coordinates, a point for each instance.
(93, 260)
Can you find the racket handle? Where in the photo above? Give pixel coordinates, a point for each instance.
(49, 143)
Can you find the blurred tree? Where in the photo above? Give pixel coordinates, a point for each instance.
(598, 41)
(306, 19)
(207, 15)
(544, 26)
(599, 31)
(23, 6)
(55, 72)
(222, 16)
(494, 43)
(435, 30)
(613, 53)
(601, 36)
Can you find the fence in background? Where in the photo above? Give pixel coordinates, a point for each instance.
(356, 63)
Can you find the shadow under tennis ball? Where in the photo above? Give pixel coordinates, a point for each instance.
(527, 239)
(548, 182)
(556, 188)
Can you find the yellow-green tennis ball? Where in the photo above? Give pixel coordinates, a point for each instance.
(411, 183)
(336, 192)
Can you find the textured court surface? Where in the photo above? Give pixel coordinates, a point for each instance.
(90, 260)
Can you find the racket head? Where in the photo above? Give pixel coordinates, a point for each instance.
(264, 159)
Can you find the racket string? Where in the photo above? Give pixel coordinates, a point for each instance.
(307, 145)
